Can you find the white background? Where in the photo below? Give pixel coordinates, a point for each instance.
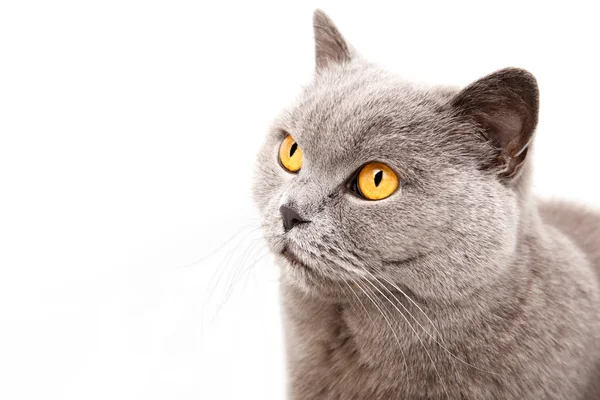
(127, 137)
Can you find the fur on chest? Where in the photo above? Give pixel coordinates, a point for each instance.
(340, 352)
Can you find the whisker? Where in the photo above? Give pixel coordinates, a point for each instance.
(258, 255)
(237, 267)
(265, 252)
(346, 296)
(414, 331)
(236, 274)
(234, 284)
(220, 271)
(212, 253)
(432, 324)
(218, 274)
(386, 320)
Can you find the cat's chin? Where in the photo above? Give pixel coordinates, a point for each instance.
(292, 259)
(297, 272)
(309, 279)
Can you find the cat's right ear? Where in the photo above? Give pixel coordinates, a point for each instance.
(330, 46)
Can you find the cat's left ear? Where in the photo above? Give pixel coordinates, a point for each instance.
(330, 46)
(505, 106)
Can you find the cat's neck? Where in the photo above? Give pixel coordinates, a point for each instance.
(373, 322)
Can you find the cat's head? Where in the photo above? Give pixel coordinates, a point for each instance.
(367, 174)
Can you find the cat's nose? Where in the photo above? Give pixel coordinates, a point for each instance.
(290, 217)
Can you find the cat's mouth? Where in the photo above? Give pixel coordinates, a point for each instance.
(292, 258)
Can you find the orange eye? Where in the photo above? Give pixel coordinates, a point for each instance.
(290, 154)
(377, 181)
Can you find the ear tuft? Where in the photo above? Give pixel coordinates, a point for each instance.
(505, 105)
(330, 46)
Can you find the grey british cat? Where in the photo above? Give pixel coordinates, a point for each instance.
(435, 274)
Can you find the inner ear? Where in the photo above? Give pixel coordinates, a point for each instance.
(505, 106)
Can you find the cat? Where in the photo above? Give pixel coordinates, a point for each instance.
(415, 261)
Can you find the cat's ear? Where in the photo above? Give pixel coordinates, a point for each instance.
(505, 106)
(330, 46)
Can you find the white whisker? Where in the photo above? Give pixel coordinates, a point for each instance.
(386, 320)
(431, 322)
(237, 274)
(245, 228)
(361, 303)
(416, 334)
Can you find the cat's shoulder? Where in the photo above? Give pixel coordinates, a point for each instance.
(580, 223)
(570, 216)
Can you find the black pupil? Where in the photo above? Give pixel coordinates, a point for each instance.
(378, 178)
(293, 149)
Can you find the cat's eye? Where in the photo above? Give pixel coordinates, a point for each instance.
(290, 155)
(376, 181)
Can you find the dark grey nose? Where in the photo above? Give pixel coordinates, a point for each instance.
(290, 217)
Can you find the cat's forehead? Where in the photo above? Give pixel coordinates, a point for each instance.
(354, 116)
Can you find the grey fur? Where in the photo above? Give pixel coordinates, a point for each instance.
(508, 283)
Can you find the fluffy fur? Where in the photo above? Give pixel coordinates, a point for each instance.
(461, 284)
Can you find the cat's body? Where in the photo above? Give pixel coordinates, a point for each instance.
(457, 285)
